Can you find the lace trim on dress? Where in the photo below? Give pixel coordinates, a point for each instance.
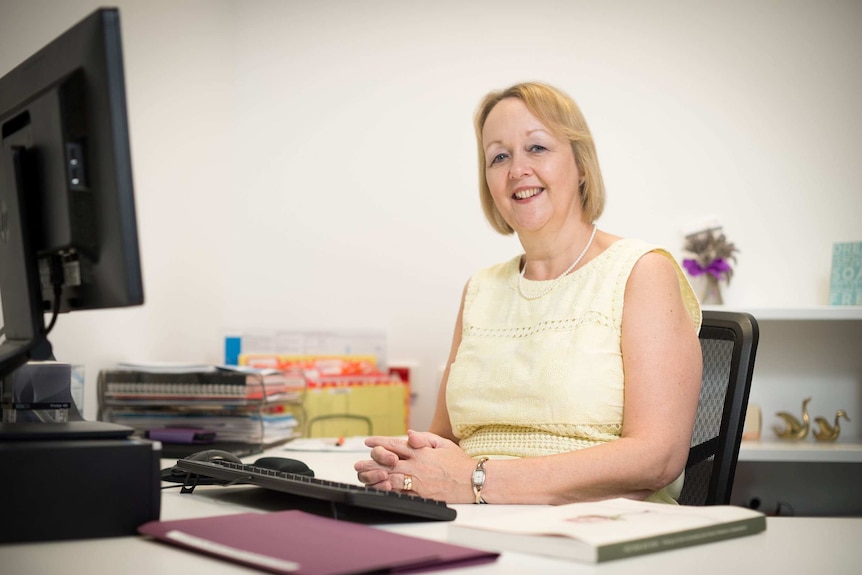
(506, 440)
(589, 318)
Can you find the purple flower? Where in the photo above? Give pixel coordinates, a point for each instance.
(717, 267)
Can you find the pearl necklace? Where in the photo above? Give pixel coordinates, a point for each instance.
(555, 281)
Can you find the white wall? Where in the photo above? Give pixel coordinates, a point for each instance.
(310, 164)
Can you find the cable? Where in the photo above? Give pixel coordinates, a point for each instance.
(58, 292)
(56, 275)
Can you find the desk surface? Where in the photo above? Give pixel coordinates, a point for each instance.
(789, 545)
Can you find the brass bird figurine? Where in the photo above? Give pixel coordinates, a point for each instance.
(828, 432)
(794, 429)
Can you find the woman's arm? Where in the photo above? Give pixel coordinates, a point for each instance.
(440, 424)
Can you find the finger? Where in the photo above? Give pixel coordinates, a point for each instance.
(373, 477)
(384, 457)
(383, 440)
(383, 485)
(396, 445)
(419, 439)
(366, 465)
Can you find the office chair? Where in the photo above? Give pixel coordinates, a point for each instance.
(728, 341)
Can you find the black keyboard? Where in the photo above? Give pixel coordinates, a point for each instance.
(355, 497)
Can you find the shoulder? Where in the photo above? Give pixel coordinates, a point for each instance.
(657, 280)
(492, 279)
(649, 274)
(500, 271)
(654, 267)
(633, 247)
(641, 255)
(619, 255)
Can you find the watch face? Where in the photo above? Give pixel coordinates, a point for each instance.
(478, 477)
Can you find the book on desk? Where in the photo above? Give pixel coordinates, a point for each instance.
(600, 531)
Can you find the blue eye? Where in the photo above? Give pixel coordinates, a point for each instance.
(498, 158)
(537, 148)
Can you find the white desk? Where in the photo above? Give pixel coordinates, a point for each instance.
(789, 545)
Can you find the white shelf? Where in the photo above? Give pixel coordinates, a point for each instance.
(817, 312)
(799, 451)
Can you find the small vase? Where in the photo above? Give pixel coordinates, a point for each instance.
(711, 292)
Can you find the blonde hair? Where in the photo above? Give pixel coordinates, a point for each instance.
(560, 114)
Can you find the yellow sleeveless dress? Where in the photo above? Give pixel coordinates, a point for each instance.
(545, 376)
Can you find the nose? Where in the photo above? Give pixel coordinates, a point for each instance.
(519, 167)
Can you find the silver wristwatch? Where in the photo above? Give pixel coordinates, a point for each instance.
(479, 479)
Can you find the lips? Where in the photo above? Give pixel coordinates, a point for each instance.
(526, 194)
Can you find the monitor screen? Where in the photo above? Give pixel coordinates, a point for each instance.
(68, 231)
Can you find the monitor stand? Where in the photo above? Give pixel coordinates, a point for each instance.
(29, 385)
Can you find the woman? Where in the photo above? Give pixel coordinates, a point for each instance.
(575, 368)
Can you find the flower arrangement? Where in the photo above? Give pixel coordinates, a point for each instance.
(712, 254)
(712, 257)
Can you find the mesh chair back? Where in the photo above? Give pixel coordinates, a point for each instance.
(728, 343)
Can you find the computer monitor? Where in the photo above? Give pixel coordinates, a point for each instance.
(68, 231)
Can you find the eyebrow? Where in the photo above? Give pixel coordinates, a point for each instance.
(529, 133)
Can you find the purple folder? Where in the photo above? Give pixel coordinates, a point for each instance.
(295, 542)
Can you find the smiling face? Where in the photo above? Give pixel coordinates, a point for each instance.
(531, 172)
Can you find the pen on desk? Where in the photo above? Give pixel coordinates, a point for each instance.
(339, 442)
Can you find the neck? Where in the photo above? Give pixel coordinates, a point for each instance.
(548, 256)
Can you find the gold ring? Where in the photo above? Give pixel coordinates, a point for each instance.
(408, 483)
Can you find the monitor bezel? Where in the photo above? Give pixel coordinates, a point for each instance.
(89, 53)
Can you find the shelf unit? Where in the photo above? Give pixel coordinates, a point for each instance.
(804, 352)
(807, 352)
(801, 451)
(811, 313)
